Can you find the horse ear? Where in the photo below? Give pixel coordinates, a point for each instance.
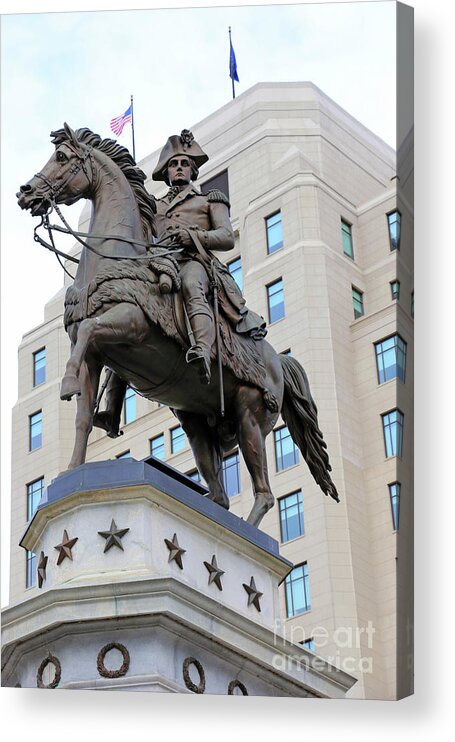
(70, 134)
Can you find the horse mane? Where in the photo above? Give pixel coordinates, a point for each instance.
(120, 155)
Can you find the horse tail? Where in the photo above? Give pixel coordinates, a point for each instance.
(300, 414)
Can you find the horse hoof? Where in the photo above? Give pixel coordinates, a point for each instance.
(104, 421)
(69, 388)
(223, 501)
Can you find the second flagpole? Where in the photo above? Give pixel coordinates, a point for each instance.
(132, 129)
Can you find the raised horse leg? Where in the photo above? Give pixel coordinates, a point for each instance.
(121, 324)
(207, 453)
(89, 378)
(254, 422)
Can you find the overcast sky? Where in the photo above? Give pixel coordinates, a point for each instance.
(82, 67)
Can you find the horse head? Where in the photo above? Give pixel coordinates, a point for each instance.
(65, 178)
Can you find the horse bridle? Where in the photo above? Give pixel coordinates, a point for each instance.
(73, 171)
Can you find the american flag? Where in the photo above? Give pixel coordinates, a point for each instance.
(119, 122)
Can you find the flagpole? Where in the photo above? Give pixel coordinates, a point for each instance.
(132, 129)
(232, 78)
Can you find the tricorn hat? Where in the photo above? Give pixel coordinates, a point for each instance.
(184, 144)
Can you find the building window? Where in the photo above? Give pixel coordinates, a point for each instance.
(297, 587)
(194, 475)
(178, 439)
(231, 474)
(394, 221)
(129, 407)
(291, 516)
(124, 455)
(35, 492)
(395, 491)
(35, 430)
(286, 452)
(235, 269)
(274, 230)
(286, 352)
(391, 359)
(392, 423)
(275, 298)
(346, 234)
(219, 182)
(157, 447)
(309, 644)
(395, 289)
(30, 574)
(39, 367)
(357, 302)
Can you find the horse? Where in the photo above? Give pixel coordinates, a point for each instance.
(116, 317)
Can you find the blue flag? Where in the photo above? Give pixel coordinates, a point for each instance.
(233, 64)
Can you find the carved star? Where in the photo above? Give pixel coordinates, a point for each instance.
(113, 536)
(253, 594)
(65, 547)
(175, 550)
(215, 573)
(42, 569)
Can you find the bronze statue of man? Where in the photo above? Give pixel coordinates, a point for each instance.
(195, 225)
(199, 224)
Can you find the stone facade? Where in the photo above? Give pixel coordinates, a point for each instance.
(289, 148)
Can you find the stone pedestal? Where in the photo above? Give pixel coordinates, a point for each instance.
(153, 587)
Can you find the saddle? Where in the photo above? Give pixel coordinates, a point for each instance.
(128, 281)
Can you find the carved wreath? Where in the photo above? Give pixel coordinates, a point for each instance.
(200, 688)
(236, 684)
(123, 669)
(49, 660)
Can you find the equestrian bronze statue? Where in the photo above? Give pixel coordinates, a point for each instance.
(141, 304)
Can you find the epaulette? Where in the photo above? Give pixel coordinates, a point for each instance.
(218, 197)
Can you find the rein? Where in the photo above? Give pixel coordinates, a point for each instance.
(77, 236)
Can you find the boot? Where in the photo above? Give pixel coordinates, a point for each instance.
(109, 418)
(199, 353)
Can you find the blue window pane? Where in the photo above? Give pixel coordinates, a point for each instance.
(391, 359)
(125, 455)
(309, 644)
(231, 474)
(394, 221)
(393, 432)
(178, 439)
(35, 491)
(35, 430)
(286, 452)
(357, 303)
(297, 588)
(235, 269)
(30, 578)
(130, 406)
(346, 233)
(274, 230)
(275, 295)
(39, 367)
(291, 516)
(157, 447)
(395, 289)
(395, 492)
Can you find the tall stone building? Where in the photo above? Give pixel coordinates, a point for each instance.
(324, 252)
